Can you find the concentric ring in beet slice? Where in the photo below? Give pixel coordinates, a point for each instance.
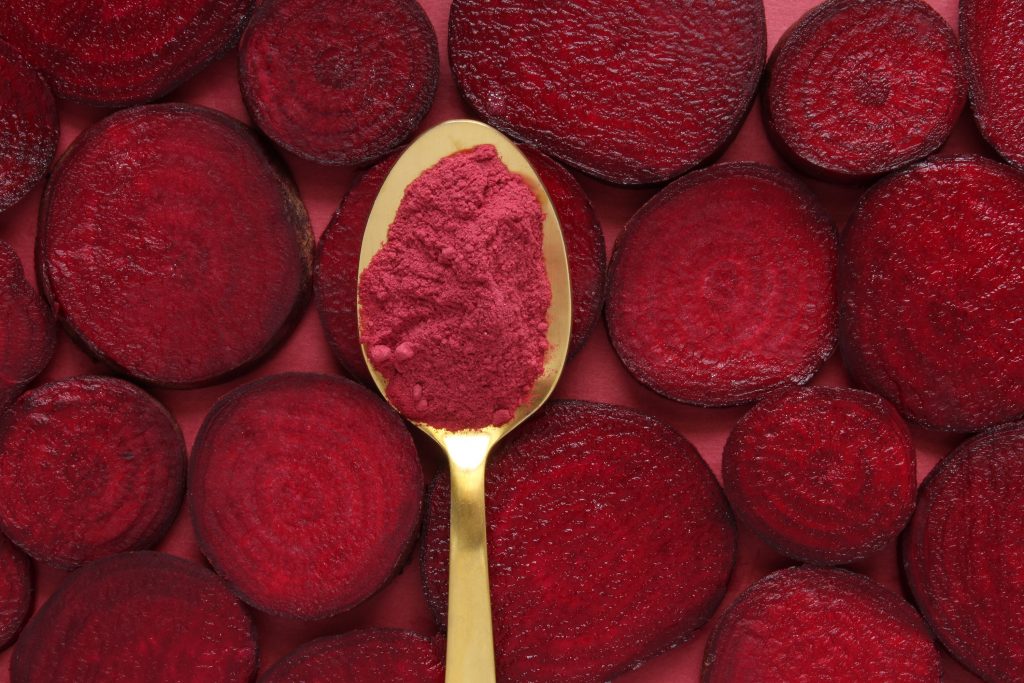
(138, 617)
(15, 591)
(631, 93)
(609, 541)
(858, 88)
(306, 493)
(27, 331)
(722, 287)
(172, 246)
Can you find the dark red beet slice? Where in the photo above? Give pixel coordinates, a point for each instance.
(723, 286)
(113, 53)
(964, 552)
(339, 82)
(27, 331)
(15, 591)
(822, 474)
(808, 624)
(858, 88)
(932, 292)
(306, 493)
(137, 618)
(594, 512)
(172, 247)
(628, 93)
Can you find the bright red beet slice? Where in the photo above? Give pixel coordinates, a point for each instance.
(932, 292)
(858, 88)
(609, 541)
(628, 93)
(183, 266)
(964, 555)
(722, 287)
(138, 617)
(305, 492)
(15, 591)
(27, 330)
(807, 624)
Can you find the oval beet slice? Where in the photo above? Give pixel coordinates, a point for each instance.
(140, 616)
(27, 333)
(722, 287)
(172, 247)
(15, 591)
(305, 493)
(815, 624)
(932, 292)
(594, 512)
(858, 88)
(628, 93)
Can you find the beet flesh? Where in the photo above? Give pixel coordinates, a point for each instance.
(631, 94)
(613, 513)
(722, 287)
(15, 591)
(187, 264)
(27, 331)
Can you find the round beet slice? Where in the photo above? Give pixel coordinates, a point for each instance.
(931, 282)
(722, 287)
(15, 591)
(807, 624)
(609, 541)
(822, 474)
(858, 88)
(306, 493)
(27, 333)
(339, 81)
(172, 246)
(139, 616)
(629, 93)
(964, 555)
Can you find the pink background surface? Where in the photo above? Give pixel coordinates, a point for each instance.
(595, 374)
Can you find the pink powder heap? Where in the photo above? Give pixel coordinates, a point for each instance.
(454, 305)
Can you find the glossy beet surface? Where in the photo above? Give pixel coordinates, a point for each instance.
(27, 330)
(15, 591)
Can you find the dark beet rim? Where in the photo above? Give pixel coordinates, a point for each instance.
(25, 599)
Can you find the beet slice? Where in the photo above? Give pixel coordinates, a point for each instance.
(594, 512)
(858, 88)
(722, 287)
(15, 591)
(932, 292)
(139, 616)
(187, 263)
(27, 333)
(814, 624)
(306, 493)
(628, 93)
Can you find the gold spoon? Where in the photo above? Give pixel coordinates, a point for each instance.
(470, 655)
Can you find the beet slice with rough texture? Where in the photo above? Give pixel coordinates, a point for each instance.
(722, 287)
(629, 93)
(339, 82)
(184, 264)
(306, 493)
(964, 552)
(138, 617)
(27, 331)
(594, 512)
(822, 474)
(931, 282)
(15, 591)
(810, 624)
(858, 88)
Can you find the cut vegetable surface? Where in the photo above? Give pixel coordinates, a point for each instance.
(184, 264)
(27, 330)
(15, 591)
(723, 286)
(626, 535)
(630, 93)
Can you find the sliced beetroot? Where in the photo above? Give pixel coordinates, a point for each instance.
(135, 618)
(858, 88)
(628, 93)
(807, 624)
(27, 330)
(722, 287)
(15, 591)
(184, 264)
(305, 492)
(609, 541)
(932, 292)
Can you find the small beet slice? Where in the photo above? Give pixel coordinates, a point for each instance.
(722, 287)
(629, 93)
(858, 88)
(594, 512)
(15, 591)
(27, 330)
(809, 624)
(136, 618)
(305, 492)
(183, 266)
